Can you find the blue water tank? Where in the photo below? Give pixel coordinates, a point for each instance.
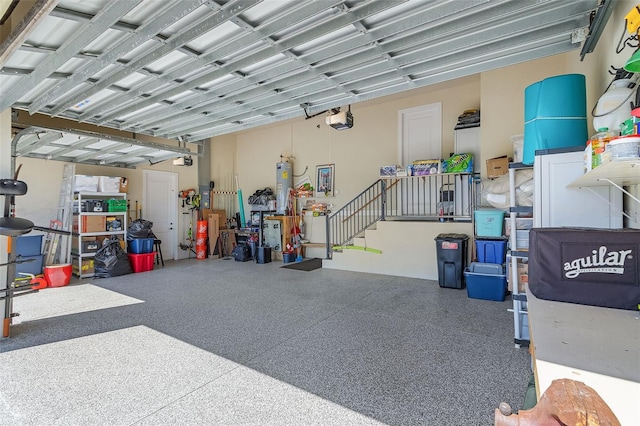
(555, 114)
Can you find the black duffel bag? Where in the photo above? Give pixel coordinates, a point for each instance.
(598, 267)
(241, 253)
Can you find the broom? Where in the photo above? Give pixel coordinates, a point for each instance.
(240, 205)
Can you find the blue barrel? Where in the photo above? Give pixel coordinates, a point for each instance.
(555, 114)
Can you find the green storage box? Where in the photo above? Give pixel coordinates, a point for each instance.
(116, 205)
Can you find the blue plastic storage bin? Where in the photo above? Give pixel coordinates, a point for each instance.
(486, 281)
(489, 222)
(491, 251)
(34, 267)
(28, 245)
(140, 245)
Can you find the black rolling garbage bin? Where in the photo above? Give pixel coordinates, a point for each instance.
(452, 259)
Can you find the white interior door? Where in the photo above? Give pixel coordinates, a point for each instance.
(160, 194)
(420, 138)
(420, 133)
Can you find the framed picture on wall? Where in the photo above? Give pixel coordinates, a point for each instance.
(325, 176)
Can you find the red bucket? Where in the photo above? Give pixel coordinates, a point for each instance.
(201, 228)
(201, 250)
(58, 275)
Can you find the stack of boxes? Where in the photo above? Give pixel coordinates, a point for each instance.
(486, 279)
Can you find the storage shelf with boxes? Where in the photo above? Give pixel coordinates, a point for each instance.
(97, 216)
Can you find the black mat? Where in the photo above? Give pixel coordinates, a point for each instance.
(305, 265)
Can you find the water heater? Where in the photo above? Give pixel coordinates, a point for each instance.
(284, 182)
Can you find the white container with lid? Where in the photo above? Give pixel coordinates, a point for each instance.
(614, 107)
(625, 147)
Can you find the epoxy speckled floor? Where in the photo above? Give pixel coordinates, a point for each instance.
(228, 343)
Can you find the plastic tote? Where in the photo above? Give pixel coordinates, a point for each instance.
(140, 245)
(491, 251)
(555, 114)
(488, 222)
(486, 281)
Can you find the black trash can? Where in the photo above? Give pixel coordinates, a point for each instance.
(452, 259)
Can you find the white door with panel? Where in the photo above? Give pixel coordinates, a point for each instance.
(420, 138)
(160, 194)
(420, 133)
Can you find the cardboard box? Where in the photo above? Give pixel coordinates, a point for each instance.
(426, 167)
(113, 223)
(214, 232)
(497, 167)
(86, 267)
(89, 224)
(222, 218)
(523, 276)
(89, 244)
(388, 171)
(124, 184)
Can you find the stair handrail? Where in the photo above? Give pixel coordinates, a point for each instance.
(355, 221)
(428, 197)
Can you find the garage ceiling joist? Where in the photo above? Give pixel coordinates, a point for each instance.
(193, 69)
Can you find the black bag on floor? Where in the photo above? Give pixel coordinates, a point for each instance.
(595, 267)
(111, 261)
(241, 253)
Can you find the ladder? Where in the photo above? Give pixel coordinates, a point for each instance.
(58, 246)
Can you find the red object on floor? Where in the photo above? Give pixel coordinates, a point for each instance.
(58, 275)
(38, 282)
(142, 262)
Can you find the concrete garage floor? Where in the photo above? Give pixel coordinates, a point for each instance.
(238, 343)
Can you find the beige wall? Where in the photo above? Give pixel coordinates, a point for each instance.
(357, 153)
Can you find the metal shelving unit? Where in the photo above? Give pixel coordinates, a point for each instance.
(78, 255)
(518, 252)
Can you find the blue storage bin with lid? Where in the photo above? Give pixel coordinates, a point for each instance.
(488, 222)
(487, 281)
(28, 245)
(491, 251)
(33, 266)
(140, 245)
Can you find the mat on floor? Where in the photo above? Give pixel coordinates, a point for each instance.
(305, 265)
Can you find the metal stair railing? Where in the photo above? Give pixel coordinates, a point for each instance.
(439, 197)
(356, 216)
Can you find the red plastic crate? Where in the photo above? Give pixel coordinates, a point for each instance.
(142, 262)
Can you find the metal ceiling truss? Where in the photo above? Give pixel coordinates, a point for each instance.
(76, 146)
(194, 69)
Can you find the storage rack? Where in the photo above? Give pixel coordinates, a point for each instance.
(520, 312)
(78, 255)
